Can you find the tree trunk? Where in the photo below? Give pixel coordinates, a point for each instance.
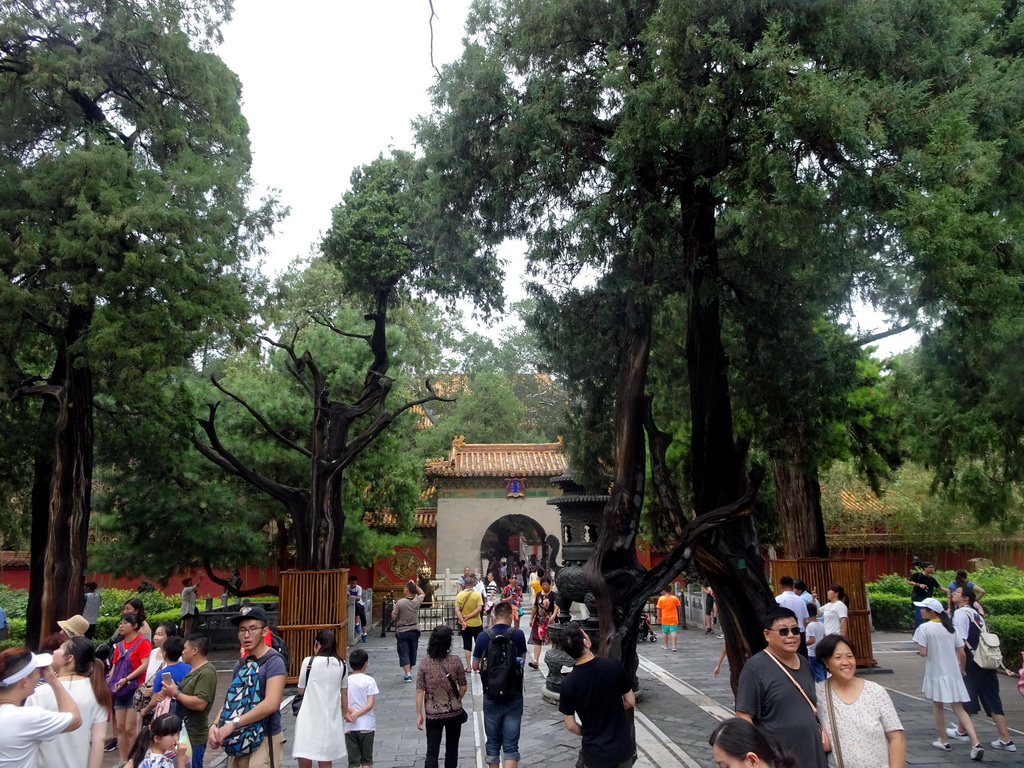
(729, 556)
(62, 490)
(798, 499)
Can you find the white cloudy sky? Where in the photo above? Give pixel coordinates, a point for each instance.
(328, 86)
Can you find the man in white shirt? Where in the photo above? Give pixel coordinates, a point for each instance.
(789, 599)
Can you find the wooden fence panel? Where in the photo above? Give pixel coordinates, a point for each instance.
(311, 601)
(819, 574)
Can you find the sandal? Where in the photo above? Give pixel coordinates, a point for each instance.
(534, 665)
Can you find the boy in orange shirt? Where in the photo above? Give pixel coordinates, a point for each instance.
(668, 610)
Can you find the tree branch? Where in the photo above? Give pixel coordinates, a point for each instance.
(223, 458)
(295, 366)
(882, 334)
(263, 589)
(658, 443)
(285, 441)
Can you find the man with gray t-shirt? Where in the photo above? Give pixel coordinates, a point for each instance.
(406, 615)
(776, 691)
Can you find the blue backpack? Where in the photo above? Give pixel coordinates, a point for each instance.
(243, 694)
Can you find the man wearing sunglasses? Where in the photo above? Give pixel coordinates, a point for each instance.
(776, 691)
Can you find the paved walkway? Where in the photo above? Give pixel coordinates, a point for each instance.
(681, 704)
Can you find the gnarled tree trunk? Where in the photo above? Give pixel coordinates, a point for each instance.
(798, 499)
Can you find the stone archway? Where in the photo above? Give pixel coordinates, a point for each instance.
(511, 535)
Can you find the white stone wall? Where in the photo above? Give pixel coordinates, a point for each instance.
(462, 523)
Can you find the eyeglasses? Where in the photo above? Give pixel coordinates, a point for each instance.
(784, 631)
(249, 630)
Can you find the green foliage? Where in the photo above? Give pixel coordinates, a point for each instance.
(13, 601)
(106, 626)
(891, 612)
(1003, 605)
(18, 626)
(891, 584)
(112, 602)
(1011, 637)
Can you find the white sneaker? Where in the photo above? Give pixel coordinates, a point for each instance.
(943, 747)
(977, 752)
(954, 733)
(1009, 746)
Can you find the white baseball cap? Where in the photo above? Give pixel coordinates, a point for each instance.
(931, 604)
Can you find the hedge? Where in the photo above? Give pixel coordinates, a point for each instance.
(1003, 605)
(891, 612)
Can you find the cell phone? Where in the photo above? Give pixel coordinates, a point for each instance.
(166, 677)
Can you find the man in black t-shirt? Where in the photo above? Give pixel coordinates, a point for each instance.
(598, 691)
(924, 585)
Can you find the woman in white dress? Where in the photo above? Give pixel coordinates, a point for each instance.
(320, 726)
(945, 661)
(84, 678)
(866, 731)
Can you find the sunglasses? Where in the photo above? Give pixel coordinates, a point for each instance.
(785, 631)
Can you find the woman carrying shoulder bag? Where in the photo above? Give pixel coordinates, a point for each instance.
(858, 714)
(319, 725)
(440, 686)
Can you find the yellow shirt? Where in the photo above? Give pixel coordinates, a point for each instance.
(467, 601)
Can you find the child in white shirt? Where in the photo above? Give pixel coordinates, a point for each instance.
(360, 719)
(814, 631)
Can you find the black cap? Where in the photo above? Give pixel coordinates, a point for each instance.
(256, 612)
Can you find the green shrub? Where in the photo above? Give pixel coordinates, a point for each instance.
(891, 584)
(112, 602)
(1011, 635)
(18, 628)
(1004, 605)
(999, 580)
(891, 612)
(13, 601)
(107, 625)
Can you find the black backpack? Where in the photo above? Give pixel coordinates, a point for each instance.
(500, 670)
(279, 645)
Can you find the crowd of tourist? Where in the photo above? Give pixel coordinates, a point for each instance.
(799, 702)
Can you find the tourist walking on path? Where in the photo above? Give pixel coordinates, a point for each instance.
(406, 617)
(776, 691)
(945, 661)
(83, 677)
(545, 610)
(196, 693)
(857, 714)
(982, 684)
(668, 616)
(469, 605)
(737, 742)
(440, 686)
(923, 586)
(24, 729)
(599, 693)
(490, 595)
(320, 724)
(513, 595)
(498, 656)
(835, 614)
(356, 592)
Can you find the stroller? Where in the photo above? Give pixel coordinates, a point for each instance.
(644, 631)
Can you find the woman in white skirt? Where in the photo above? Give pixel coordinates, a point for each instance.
(943, 684)
(319, 726)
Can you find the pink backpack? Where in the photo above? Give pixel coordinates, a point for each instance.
(1020, 680)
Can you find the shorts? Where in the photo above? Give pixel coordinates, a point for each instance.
(361, 615)
(670, 628)
(360, 748)
(709, 604)
(469, 635)
(261, 757)
(122, 704)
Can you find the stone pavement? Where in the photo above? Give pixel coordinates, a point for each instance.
(681, 704)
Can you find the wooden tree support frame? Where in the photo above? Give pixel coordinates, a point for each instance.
(311, 601)
(819, 573)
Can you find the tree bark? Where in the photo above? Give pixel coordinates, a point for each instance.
(728, 556)
(62, 488)
(798, 499)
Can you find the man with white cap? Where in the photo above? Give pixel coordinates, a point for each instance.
(23, 729)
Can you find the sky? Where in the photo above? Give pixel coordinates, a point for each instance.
(328, 86)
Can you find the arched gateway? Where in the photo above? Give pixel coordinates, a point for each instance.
(491, 501)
